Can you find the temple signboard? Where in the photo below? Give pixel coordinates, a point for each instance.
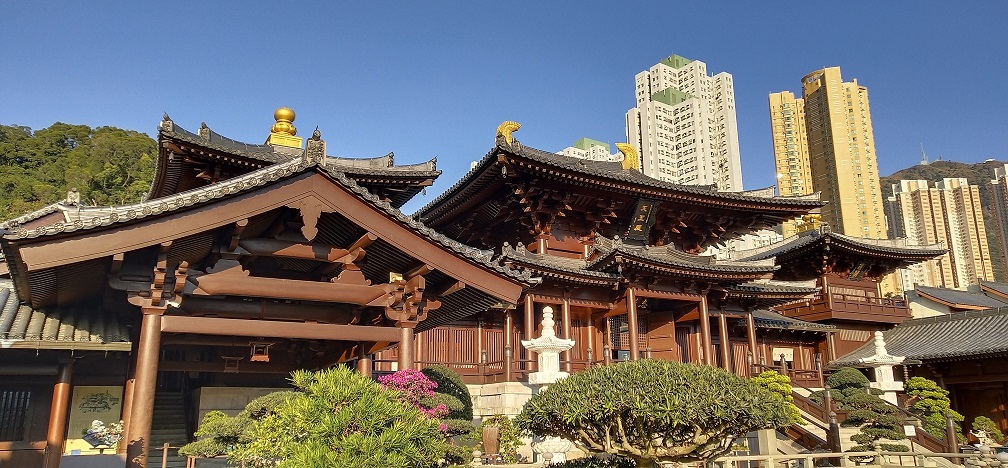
(643, 220)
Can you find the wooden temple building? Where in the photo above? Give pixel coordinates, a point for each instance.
(247, 261)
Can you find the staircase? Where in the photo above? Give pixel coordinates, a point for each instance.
(168, 427)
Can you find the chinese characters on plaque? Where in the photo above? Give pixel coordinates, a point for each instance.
(643, 219)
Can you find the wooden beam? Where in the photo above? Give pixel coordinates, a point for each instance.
(276, 329)
(225, 283)
(418, 271)
(285, 249)
(451, 288)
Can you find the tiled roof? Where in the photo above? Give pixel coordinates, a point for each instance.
(27, 218)
(999, 289)
(942, 337)
(612, 171)
(960, 298)
(892, 247)
(64, 328)
(570, 268)
(671, 257)
(381, 165)
(771, 319)
(776, 288)
(106, 216)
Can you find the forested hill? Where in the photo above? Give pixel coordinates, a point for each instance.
(107, 165)
(979, 174)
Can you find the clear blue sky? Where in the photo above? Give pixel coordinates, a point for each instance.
(426, 79)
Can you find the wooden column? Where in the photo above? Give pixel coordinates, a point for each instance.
(565, 332)
(530, 329)
(142, 410)
(725, 343)
(591, 352)
(705, 333)
(58, 414)
(127, 407)
(405, 347)
(751, 334)
(631, 307)
(363, 361)
(508, 343)
(830, 347)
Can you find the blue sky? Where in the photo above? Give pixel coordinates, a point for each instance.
(434, 79)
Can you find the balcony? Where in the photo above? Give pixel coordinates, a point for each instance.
(857, 301)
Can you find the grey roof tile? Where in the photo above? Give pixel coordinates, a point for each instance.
(966, 298)
(943, 337)
(771, 319)
(80, 328)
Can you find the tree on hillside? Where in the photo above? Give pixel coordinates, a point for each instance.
(106, 165)
(654, 411)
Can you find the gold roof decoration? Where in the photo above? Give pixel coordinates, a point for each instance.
(504, 131)
(284, 117)
(630, 158)
(283, 132)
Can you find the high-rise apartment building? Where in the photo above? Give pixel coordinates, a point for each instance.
(684, 125)
(948, 213)
(595, 150)
(841, 161)
(999, 195)
(791, 156)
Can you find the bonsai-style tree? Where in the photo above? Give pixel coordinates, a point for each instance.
(781, 385)
(336, 417)
(219, 434)
(931, 403)
(985, 425)
(654, 411)
(877, 419)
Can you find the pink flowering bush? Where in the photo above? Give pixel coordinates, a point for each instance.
(415, 389)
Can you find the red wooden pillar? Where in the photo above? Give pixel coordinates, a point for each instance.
(565, 332)
(725, 343)
(631, 305)
(405, 346)
(751, 334)
(127, 407)
(363, 361)
(530, 328)
(508, 343)
(58, 415)
(142, 410)
(705, 333)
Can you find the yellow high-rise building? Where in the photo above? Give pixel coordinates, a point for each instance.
(791, 156)
(838, 157)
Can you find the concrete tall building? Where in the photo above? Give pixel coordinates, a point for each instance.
(586, 148)
(791, 155)
(999, 195)
(684, 125)
(948, 213)
(834, 124)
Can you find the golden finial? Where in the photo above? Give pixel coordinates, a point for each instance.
(505, 129)
(630, 159)
(809, 222)
(283, 131)
(284, 117)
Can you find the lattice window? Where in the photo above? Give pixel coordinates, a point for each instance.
(620, 339)
(14, 413)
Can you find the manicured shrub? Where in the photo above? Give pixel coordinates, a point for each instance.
(987, 425)
(781, 385)
(335, 418)
(877, 419)
(654, 411)
(219, 433)
(931, 403)
(454, 395)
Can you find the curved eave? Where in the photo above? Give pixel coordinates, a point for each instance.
(632, 183)
(683, 271)
(598, 279)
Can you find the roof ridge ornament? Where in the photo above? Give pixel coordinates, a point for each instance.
(166, 123)
(283, 132)
(315, 149)
(630, 158)
(504, 131)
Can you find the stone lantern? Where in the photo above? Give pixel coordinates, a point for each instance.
(548, 348)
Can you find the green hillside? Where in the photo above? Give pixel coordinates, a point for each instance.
(107, 165)
(979, 174)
